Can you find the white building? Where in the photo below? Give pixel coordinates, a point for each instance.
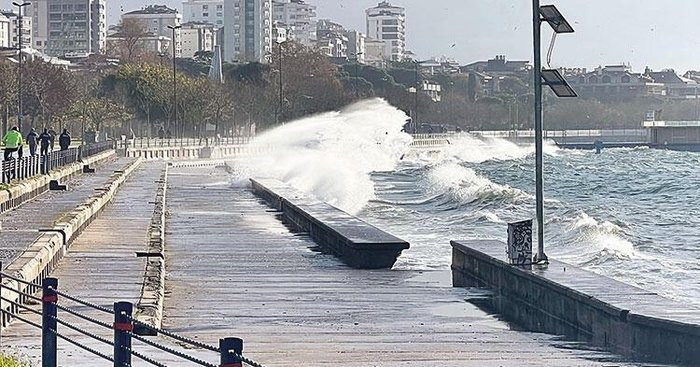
(375, 52)
(156, 19)
(247, 30)
(204, 11)
(280, 32)
(13, 29)
(197, 36)
(150, 42)
(332, 40)
(356, 46)
(387, 23)
(4, 31)
(69, 28)
(300, 19)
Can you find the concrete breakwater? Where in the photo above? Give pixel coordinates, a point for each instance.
(356, 242)
(564, 300)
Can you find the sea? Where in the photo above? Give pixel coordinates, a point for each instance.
(630, 214)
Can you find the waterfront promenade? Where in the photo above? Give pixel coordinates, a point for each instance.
(234, 269)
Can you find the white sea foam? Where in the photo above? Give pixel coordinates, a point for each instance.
(600, 238)
(331, 155)
(464, 185)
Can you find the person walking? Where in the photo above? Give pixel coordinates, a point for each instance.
(161, 133)
(12, 142)
(52, 132)
(31, 141)
(45, 141)
(64, 140)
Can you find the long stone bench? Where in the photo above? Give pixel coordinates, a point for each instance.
(354, 241)
(566, 300)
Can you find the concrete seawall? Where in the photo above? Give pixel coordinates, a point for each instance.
(356, 242)
(566, 300)
(149, 309)
(42, 256)
(27, 189)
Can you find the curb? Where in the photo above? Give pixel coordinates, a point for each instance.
(42, 256)
(149, 308)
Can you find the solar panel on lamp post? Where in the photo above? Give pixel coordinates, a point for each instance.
(551, 15)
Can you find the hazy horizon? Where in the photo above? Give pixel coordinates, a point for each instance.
(481, 29)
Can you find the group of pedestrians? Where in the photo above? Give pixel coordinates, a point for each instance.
(14, 142)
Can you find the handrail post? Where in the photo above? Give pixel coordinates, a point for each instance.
(230, 349)
(48, 322)
(123, 327)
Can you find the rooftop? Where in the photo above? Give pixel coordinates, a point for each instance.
(154, 9)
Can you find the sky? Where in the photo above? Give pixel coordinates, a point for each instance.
(655, 33)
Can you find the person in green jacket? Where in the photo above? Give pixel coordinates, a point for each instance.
(12, 141)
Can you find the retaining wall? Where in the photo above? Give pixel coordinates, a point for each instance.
(354, 241)
(529, 298)
(42, 256)
(192, 152)
(24, 190)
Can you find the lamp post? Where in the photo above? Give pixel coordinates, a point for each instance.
(278, 115)
(20, 34)
(173, 43)
(415, 97)
(554, 80)
(357, 73)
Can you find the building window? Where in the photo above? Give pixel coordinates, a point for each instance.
(607, 79)
(593, 79)
(205, 14)
(626, 79)
(205, 7)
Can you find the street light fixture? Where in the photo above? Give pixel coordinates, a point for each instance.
(20, 35)
(555, 81)
(553, 78)
(173, 43)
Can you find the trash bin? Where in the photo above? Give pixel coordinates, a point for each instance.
(519, 248)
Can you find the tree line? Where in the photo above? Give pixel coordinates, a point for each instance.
(136, 97)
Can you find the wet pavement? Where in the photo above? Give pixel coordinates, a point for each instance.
(101, 267)
(20, 225)
(235, 270)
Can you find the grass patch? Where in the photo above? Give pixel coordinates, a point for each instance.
(10, 362)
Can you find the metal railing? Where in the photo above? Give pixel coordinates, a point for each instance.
(26, 167)
(562, 133)
(182, 142)
(122, 325)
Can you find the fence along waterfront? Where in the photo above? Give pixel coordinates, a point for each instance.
(229, 350)
(22, 168)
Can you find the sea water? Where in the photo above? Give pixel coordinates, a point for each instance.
(631, 214)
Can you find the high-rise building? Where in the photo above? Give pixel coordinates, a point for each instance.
(38, 10)
(299, 18)
(13, 29)
(69, 28)
(197, 36)
(247, 30)
(209, 11)
(387, 23)
(156, 19)
(4, 31)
